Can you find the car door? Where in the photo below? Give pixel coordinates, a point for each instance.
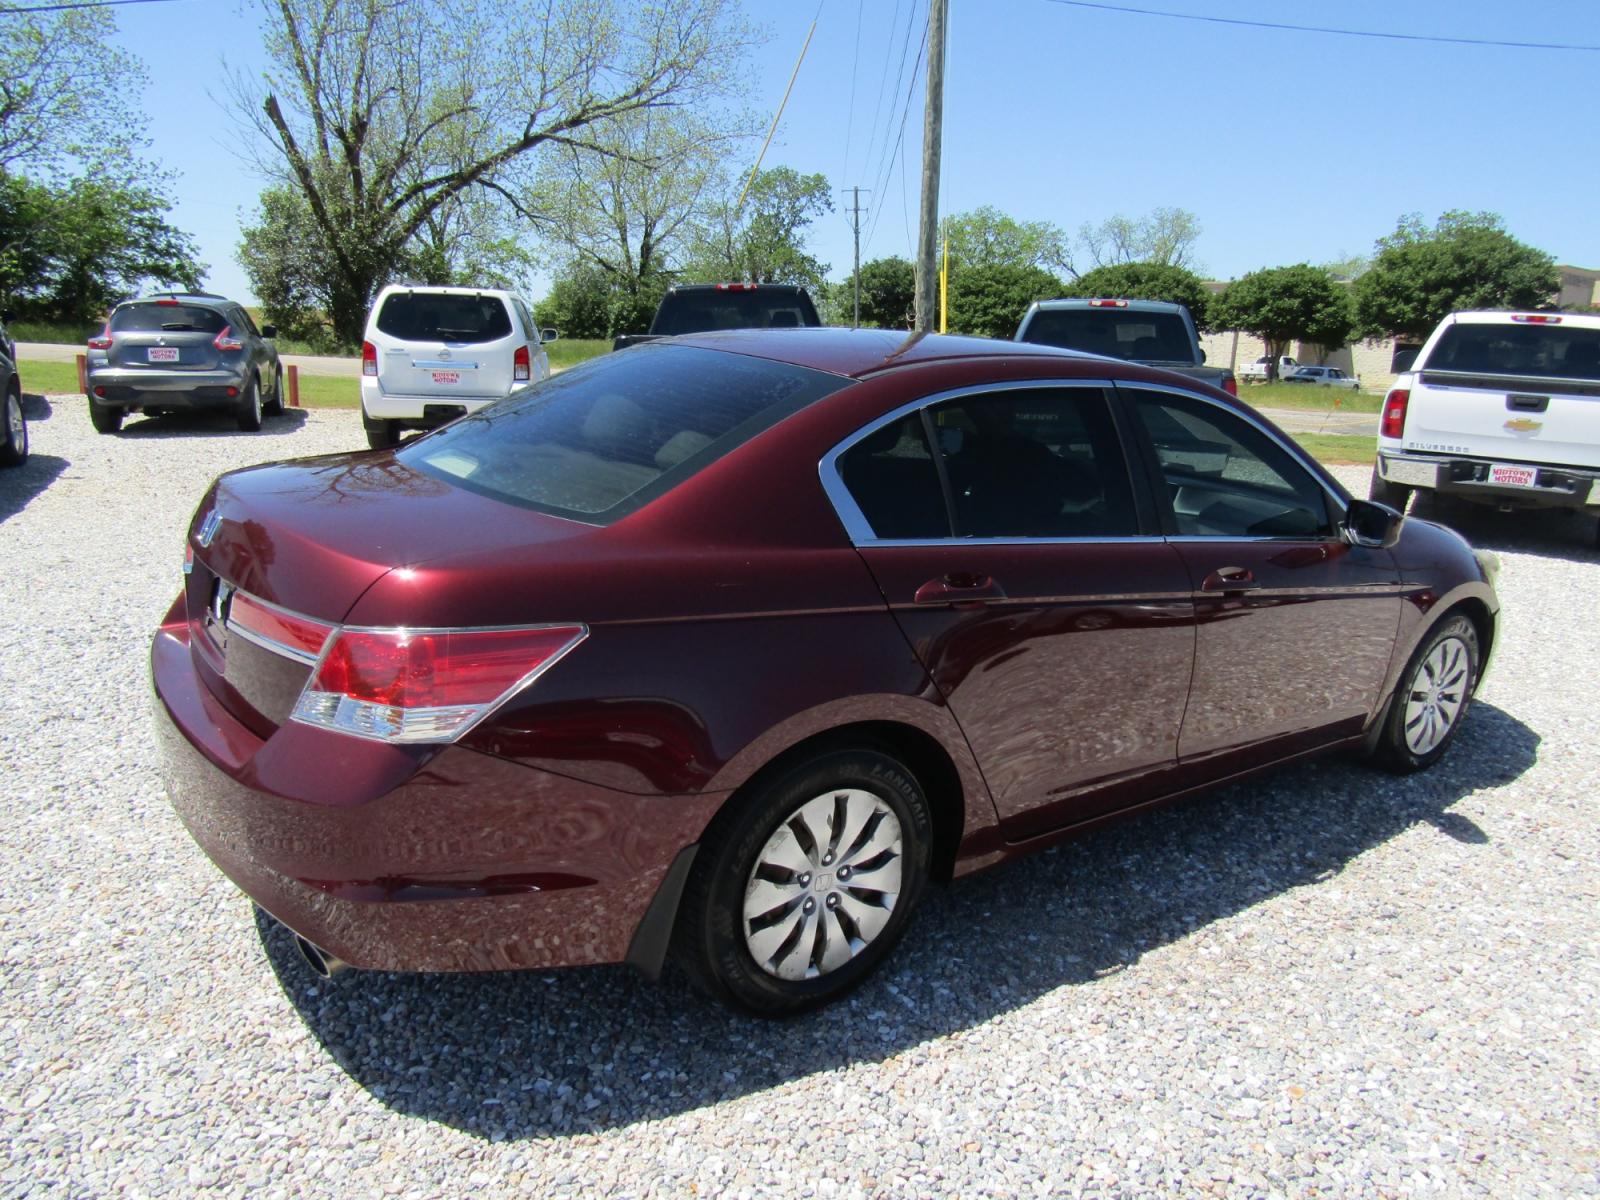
(1006, 533)
(1295, 625)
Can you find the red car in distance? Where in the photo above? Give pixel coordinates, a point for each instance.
(726, 646)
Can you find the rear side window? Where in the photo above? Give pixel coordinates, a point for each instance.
(169, 318)
(1543, 351)
(892, 479)
(700, 312)
(606, 437)
(1114, 332)
(444, 317)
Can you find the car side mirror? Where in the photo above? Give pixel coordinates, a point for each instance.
(549, 335)
(269, 331)
(1368, 523)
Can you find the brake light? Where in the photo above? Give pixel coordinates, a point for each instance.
(521, 365)
(1108, 304)
(1536, 318)
(1230, 385)
(426, 685)
(188, 558)
(736, 287)
(287, 632)
(167, 303)
(1393, 424)
(369, 359)
(226, 341)
(103, 342)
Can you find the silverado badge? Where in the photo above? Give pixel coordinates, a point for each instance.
(1523, 425)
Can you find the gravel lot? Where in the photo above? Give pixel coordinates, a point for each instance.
(1329, 982)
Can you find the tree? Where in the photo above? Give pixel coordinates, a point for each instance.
(764, 241)
(1466, 261)
(1148, 281)
(990, 301)
(579, 303)
(987, 237)
(888, 294)
(1165, 236)
(380, 113)
(1285, 304)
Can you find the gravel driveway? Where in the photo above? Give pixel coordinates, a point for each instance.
(1328, 982)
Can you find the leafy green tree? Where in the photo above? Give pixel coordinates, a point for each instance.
(1466, 261)
(763, 241)
(1147, 281)
(990, 301)
(987, 237)
(888, 294)
(578, 303)
(1164, 235)
(379, 113)
(1286, 304)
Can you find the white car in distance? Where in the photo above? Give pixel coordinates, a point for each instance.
(1324, 377)
(431, 354)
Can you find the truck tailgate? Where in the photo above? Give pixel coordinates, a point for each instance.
(1510, 419)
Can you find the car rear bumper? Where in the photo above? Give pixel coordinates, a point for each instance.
(413, 859)
(1554, 487)
(166, 389)
(379, 405)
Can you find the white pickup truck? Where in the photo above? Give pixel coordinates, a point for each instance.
(1256, 372)
(1501, 408)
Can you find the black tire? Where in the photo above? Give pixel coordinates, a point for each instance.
(248, 413)
(274, 406)
(383, 435)
(1393, 494)
(710, 939)
(105, 418)
(13, 431)
(1398, 752)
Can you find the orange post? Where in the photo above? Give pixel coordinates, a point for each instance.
(83, 374)
(294, 387)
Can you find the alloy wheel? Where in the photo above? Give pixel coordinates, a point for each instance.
(1438, 691)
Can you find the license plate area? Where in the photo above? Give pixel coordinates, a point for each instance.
(162, 354)
(1509, 475)
(447, 377)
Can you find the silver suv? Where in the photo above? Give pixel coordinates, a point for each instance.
(179, 352)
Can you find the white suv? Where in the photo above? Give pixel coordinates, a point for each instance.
(431, 354)
(1499, 407)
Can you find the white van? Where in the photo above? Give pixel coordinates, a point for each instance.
(431, 354)
(1499, 407)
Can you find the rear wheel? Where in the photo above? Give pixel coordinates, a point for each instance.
(1432, 698)
(105, 419)
(248, 413)
(13, 432)
(274, 407)
(382, 435)
(1384, 492)
(804, 888)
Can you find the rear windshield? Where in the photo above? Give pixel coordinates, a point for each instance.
(1548, 351)
(171, 318)
(1114, 332)
(598, 441)
(698, 312)
(444, 317)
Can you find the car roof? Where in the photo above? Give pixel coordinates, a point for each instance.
(859, 352)
(1099, 302)
(197, 298)
(1508, 317)
(791, 288)
(451, 289)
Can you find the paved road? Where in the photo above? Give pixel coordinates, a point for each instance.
(1299, 420)
(309, 364)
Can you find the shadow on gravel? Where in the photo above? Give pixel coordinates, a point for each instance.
(19, 485)
(543, 1054)
(211, 424)
(36, 407)
(1548, 533)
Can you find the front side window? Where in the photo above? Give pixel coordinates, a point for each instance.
(444, 317)
(1223, 477)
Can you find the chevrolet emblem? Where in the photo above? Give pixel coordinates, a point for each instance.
(1524, 425)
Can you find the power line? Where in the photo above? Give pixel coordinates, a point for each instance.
(905, 112)
(42, 8)
(855, 69)
(879, 116)
(1368, 33)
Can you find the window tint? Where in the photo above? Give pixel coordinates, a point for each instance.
(247, 323)
(172, 318)
(1043, 463)
(1225, 478)
(611, 434)
(1553, 351)
(702, 311)
(1115, 332)
(891, 476)
(444, 317)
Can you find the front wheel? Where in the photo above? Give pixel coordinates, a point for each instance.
(248, 414)
(1432, 698)
(13, 432)
(105, 419)
(800, 891)
(1384, 492)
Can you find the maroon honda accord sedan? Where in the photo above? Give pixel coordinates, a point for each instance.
(724, 647)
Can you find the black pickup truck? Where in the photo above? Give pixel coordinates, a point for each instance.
(699, 307)
(1152, 332)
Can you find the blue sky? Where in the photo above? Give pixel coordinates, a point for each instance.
(1288, 146)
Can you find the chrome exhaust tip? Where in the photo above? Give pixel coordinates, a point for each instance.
(318, 959)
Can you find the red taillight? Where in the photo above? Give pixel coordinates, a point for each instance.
(168, 303)
(226, 341)
(103, 342)
(1393, 424)
(1536, 318)
(1108, 304)
(188, 558)
(425, 685)
(369, 359)
(300, 637)
(1230, 385)
(736, 287)
(521, 365)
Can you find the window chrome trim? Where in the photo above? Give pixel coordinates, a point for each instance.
(856, 526)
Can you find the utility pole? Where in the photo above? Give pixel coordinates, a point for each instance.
(932, 125)
(855, 212)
